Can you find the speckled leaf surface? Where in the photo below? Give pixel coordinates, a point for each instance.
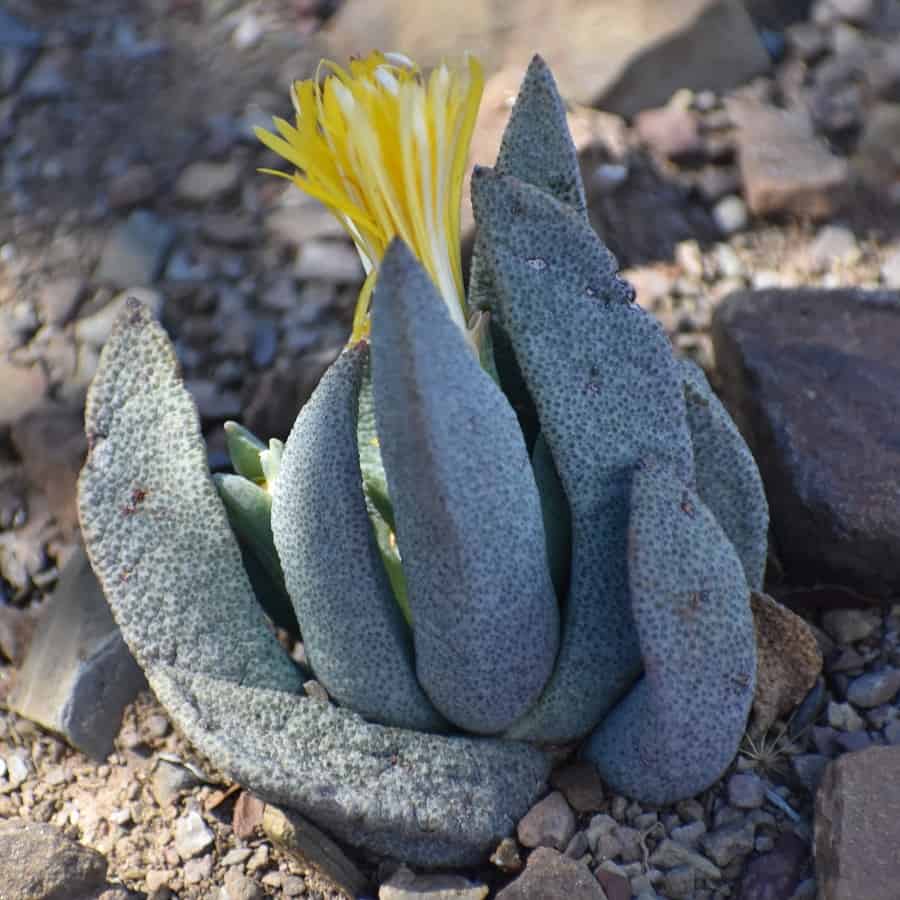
(680, 726)
(607, 392)
(214, 663)
(557, 517)
(354, 634)
(728, 480)
(425, 799)
(466, 506)
(155, 529)
(537, 149)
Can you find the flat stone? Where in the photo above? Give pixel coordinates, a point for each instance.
(857, 826)
(785, 167)
(137, 184)
(78, 675)
(671, 853)
(169, 780)
(615, 885)
(549, 823)
(671, 131)
(614, 56)
(788, 661)
(135, 251)
(309, 846)
(38, 862)
(248, 815)
(192, 835)
(406, 885)
(833, 244)
(775, 875)
(551, 876)
(874, 688)
(746, 791)
(843, 716)
(581, 785)
(810, 376)
(24, 389)
(239, 887)
(847, 626)
(729, 842)
(203, 181)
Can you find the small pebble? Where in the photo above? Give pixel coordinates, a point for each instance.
(874, 688)
(730, 214)
(746, 791)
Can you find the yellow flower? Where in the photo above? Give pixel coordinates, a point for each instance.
(384, 147)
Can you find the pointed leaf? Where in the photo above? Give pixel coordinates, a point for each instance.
(353, 631)
(727, 477)
(244, 448)
(466, 506)
(680, 727)
(607, 392)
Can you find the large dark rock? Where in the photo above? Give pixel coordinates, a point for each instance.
(813, 379)
(857, 827)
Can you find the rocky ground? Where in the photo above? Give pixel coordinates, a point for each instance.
(128, 168)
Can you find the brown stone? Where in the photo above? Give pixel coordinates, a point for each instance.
(857, 826)
(551, 876)
(23, 390)
(785, 167)
(811, 378)
(248, 815)
(613, 55)
(581, 784)
(776, 874)
(549, 823)
(877, 158)
(788, 661)
(671, 131)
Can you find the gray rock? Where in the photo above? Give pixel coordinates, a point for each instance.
(549, 823)
(859, 11)
(577, 846)
(890, 270)
(78, 675)
(847, 626)
(169, 780)
(551, 876)
(204, 181)
(192, 835)
(875, 159)
(833, 244)
(135, 251)
(892, 732)
(239, 887)
(746, 791)
(851, 741)
(809, 376)
(728, 843)
(334, 261)
(874, 688)
(689, 834)
(37, 862)
(406, 885)
(730, 214)
(678, 883)
(670, 854)
(18, 34)
(843, 716)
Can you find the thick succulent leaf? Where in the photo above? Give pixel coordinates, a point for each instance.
(536, 148)
(680, 726)
(244, 448)
(467, 509)
(158, 537)
(557, 517)
(607, 392)
(727, 478)
(155, 529)
(249, 509)
(354, 634)
(390, 556)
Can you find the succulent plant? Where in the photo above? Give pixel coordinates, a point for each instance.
(504, 520)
